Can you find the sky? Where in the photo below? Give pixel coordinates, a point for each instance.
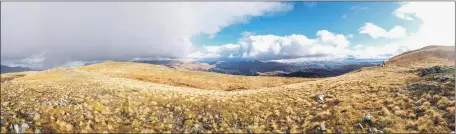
(50, 34)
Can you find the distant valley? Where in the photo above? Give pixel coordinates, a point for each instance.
(270, 68)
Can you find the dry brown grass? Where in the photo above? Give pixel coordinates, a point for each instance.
(184, 78)
(99, 99)
(425, 57)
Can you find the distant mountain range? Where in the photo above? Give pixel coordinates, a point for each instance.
(255, 67)
(181, 64)
(270, 68)
(8, 69)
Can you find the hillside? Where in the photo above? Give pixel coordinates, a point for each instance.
(184, 78)
(135, 97)
(181, 64)
(426, 56)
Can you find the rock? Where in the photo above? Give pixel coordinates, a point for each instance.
(37, 130)
(374, 131)
(368, 119)
(359, 126)
(19, 128)
(339, 132)
(453, 132)
(370, 131)
(320, 98)
(249, 131)
(322, 127)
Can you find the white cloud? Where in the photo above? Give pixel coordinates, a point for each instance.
(268, 47)
(377, 32)
(437, 28)
(438, 23)
(358, 46)
(89, 31)
(376, 52)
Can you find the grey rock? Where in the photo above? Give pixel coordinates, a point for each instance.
(322, 127)
(320, 98)
(374, 129)
(37, 130)
(370, 131)
(339, 132)
(359, 126)
(368, 119)
(19, 128)
(23, 127)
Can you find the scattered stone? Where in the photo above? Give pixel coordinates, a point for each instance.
(37, 130)
(370, 131)
(320, 98)
(359, 126)
(374, 131)
(368, 119)
(249, 131)
(322, 127)
(339, 132)
(19, 128)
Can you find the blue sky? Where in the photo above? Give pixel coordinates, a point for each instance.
(307, 18)
(49, 34)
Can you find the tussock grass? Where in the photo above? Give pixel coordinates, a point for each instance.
(108, 98)
(184, 78)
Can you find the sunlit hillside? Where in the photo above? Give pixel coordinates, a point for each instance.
(135, 97)
(184, 78)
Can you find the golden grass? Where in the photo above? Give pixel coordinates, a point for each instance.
(184, 78)
(108, 98)
(424, 57)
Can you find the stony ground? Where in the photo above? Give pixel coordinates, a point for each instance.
(376, 99)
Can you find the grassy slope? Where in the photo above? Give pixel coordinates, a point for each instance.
(184, 78)
(427, 56)
(105, 97)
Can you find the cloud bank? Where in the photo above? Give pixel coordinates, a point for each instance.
(437, 28)
(43, 35)
(48, 34)
(268, 47)
(377, 32)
